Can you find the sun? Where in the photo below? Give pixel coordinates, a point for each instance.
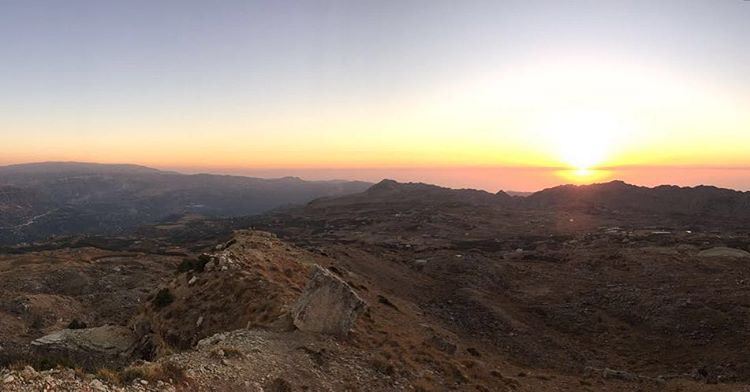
(582, 140)
(584, 176)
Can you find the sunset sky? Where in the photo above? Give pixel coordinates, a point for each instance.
(451, 92)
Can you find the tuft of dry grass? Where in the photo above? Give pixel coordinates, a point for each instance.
(110, 376)
(231, 352)
(149, 371)
(80, 372)
(383, 366)
(18, 365)
(167, 371)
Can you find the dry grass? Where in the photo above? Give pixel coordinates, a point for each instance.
(231, 352)
(154, 372)
(109, 376)
(149, 371)
(383, 365)
(18, 365)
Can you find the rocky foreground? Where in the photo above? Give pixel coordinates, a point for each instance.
(259, 314)
(296, 317)
(412, 288)
(28, 379)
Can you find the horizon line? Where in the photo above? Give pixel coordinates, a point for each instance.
(387, 167)
(506, 189)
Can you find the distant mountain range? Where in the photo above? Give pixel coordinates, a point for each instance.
(58, 198)
(614, 195)
(698, 203)
(44, 199)
(614, 202)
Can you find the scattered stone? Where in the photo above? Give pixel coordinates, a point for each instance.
(442, 344)
(618, 375)
(28, 372)
(97, 385)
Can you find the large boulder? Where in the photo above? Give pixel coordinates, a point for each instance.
(327, 305)
(106, 346)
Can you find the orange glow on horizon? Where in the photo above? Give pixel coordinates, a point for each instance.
(567, 115)
(585, 175)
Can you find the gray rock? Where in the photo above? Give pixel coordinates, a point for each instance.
(97, 385)
(419, 264)
(443, 344)
(89, 347)
(327, 305)
(724, 252)
(28, 372)
(618, 375)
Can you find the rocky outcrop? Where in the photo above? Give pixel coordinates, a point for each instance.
(109, 345)
(328, 305)
(252, 282)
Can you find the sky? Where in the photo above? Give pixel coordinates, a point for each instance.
(488, 94)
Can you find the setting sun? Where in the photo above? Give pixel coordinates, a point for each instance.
(581, 140)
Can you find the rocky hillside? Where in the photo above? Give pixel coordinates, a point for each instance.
(589, 313)
(403, 287)
(41, 200)
(251, 281)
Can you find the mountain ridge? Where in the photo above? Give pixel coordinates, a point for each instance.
(80, 198)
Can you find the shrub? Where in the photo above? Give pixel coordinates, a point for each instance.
(197, 264)
(383, 366)
(163, 298)
(76, 324)
(37, 322)
(280, 385)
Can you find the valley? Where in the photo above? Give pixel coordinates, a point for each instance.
(43, 200)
